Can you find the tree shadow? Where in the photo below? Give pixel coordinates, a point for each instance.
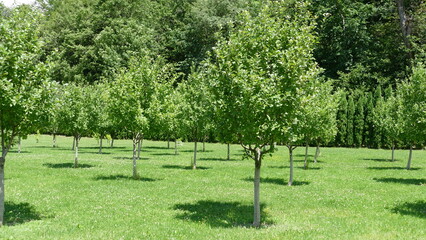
(19, 213)
(219, 159)
(278, 181)
(66, 165)
(103, 153)
(16, 151)
(391, 168)
(130, 158)
(417, 209)
(198, 151)
(183, 167)
(123, 177)
(303, 155)
(379, 159)
(309, 168)
(409, 181)
(155, 147)
(220, 214)
(311, 161)
(163, 154)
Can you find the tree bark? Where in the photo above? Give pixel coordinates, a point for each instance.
(409, 158)
(2, 162)
(204, 146)
(168, 143)
(405, 25)
(317, 151)
(19, 145)
(393, 152)
(135, 171)
(290, 151)
(305, 165)
(76, 140)
(256, 182)
(194, 163)
(229, 152)
(100, 145)
(176, 150)
(54, 140)
(112, 142)
(73, 143)
(139, 150)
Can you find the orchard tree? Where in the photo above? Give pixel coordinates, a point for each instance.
(256, 77)
(98, 117)
(24, 89)
(414, 109)
(130, 97)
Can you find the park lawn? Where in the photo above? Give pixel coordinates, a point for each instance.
(348, 194)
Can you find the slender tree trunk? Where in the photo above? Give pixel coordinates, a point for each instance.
(112, 142)
(100, 145)
(290, 151)
(176, 152)
(54, 140)
(135, 171)
(229, 152)
(409, 158)
(393, 152)
(19, 145)
(2, 162)
(305, 165)
(76, 140)
(194, 163)
(317, 151)
(204, 146)
(168, 143)
(256, 182)
(73, 143)
(405, 25)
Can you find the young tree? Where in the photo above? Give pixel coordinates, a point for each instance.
(24, 89)
(342, 121)
(414, 109)
(350, 128)
(359, 121)
(256, 79)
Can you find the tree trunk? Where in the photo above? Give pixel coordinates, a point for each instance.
(2, 162)
(409, 158)
(73, 143)
(112, 142)
(19, 145)
(176, 147)
(256, 181)
(76, 140)
(405, 25)
(194, 163)
(204, 146)
(100, 145)
(305, 165)
(135, 171)
(317, 151)
(393, 152)
(139, 150)
(229, 152)
(54, 140)
(290, 151)
(168, 143)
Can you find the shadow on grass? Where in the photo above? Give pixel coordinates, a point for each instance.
(417, 209)
(66, 165)
(303, 155)
(391, 168)
(130, 158)
(379, 159)
(19, 213)
(198, 151)
(163, 154)
(219, 159)
(311, 161)
(123, 177)
(183, 167)
(309, 168)
(409, 181)
(155, 147)
(278, 181)
(220, 214)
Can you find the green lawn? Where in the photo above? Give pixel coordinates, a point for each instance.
(348, 194)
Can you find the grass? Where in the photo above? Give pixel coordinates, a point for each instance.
(348, 194)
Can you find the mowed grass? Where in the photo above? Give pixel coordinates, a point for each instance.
(348, 194)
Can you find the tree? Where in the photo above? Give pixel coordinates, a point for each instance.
(24, 88)
(351, 115)
(414, 109)
(342, 121)
(359, 121)
(256, 79)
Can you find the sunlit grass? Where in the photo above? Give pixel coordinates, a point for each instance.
(348, 194)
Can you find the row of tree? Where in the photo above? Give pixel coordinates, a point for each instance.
(260, 86)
